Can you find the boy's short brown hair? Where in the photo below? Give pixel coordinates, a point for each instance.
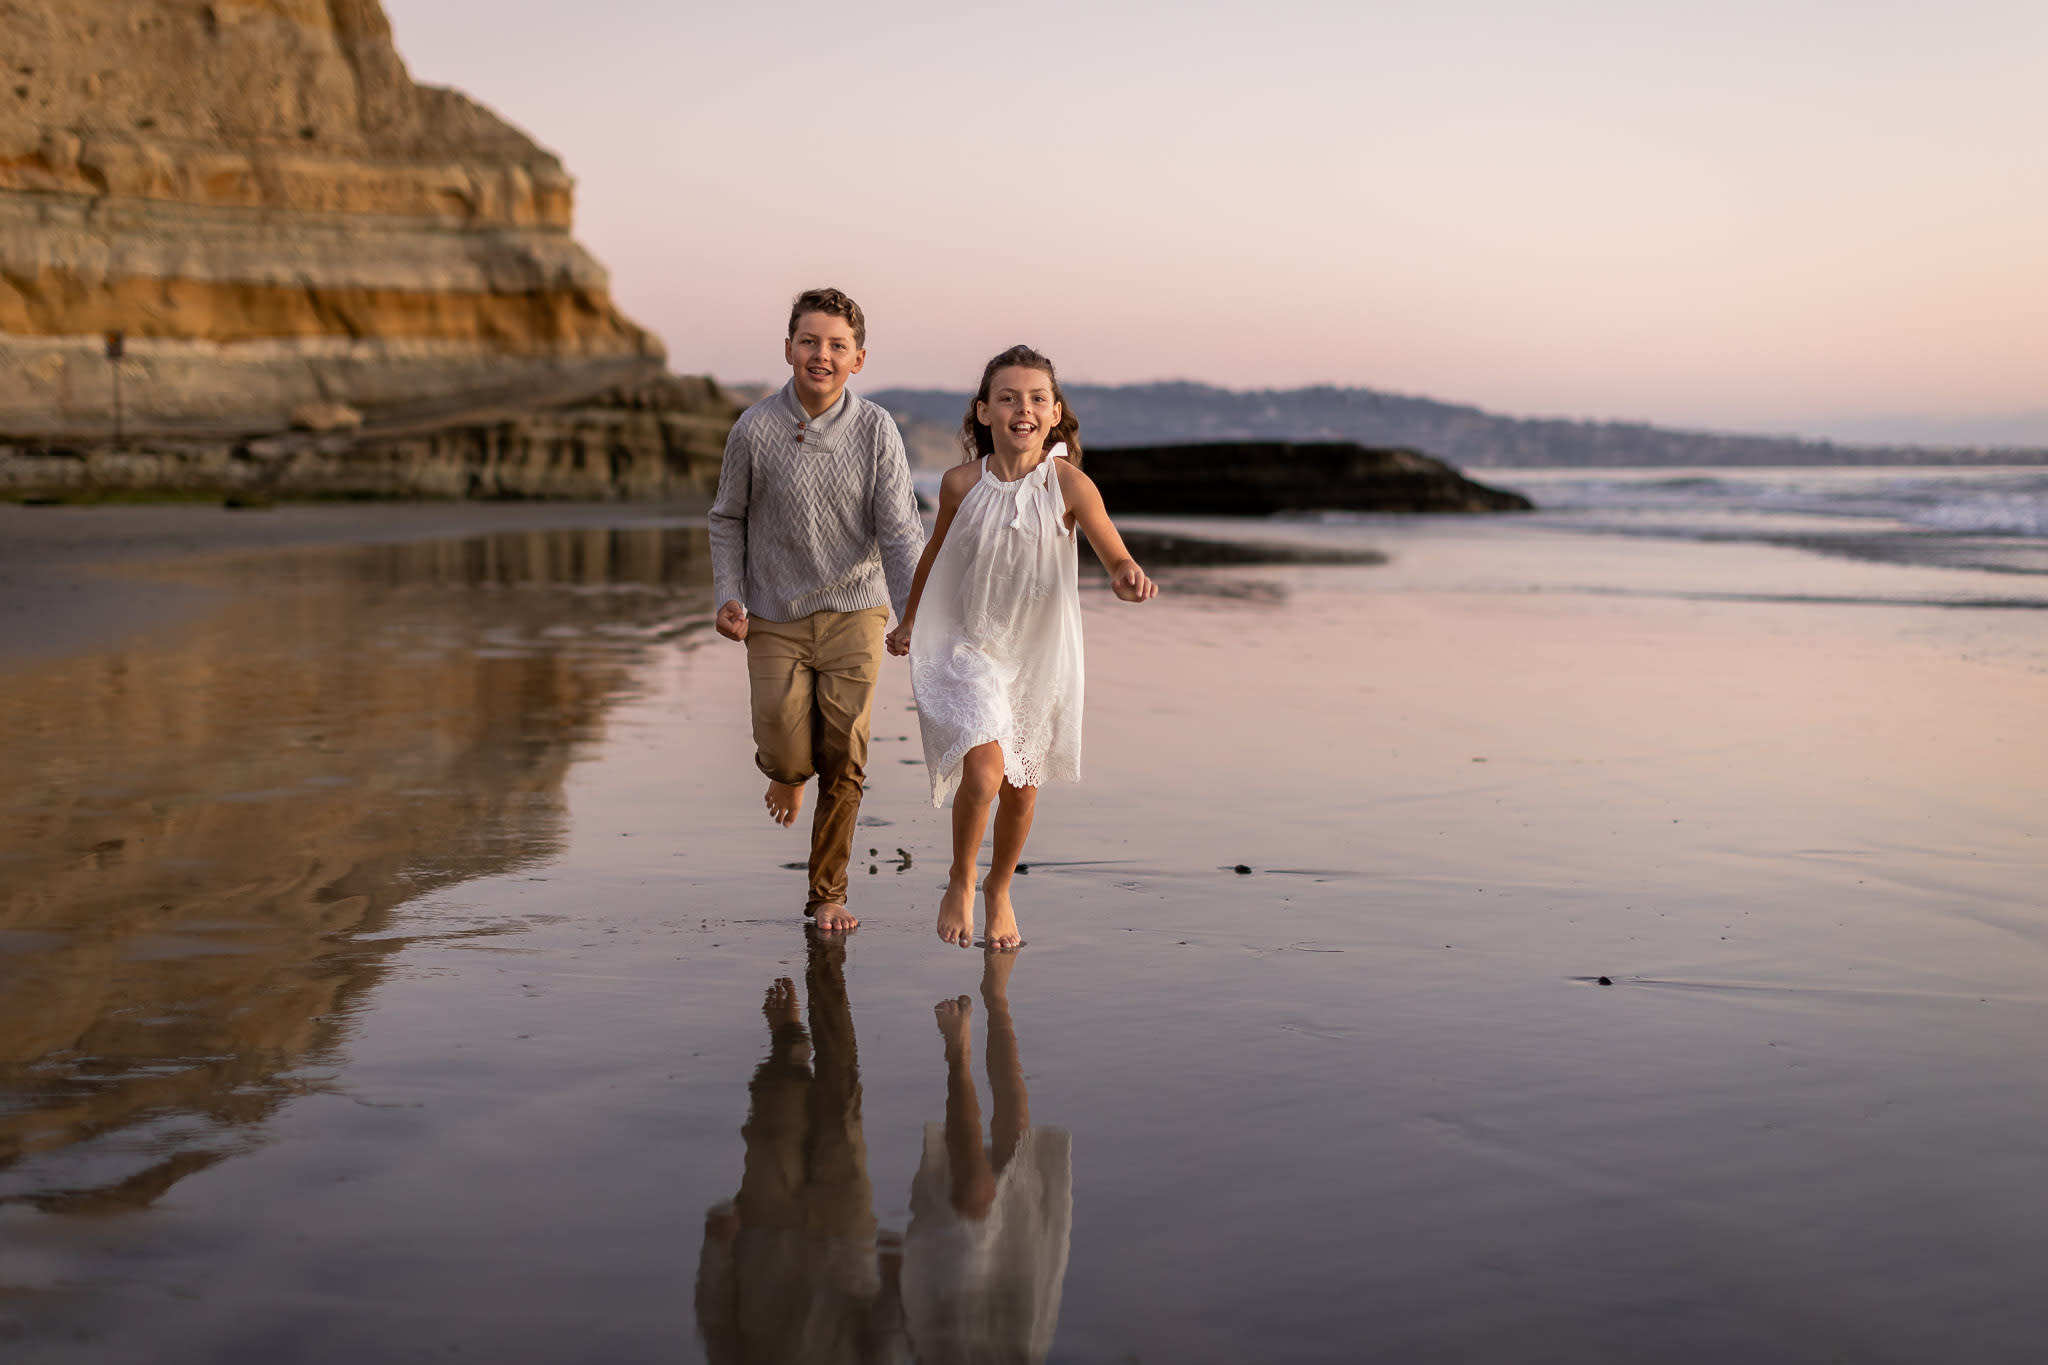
(832, 303)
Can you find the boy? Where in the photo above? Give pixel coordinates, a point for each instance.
(814, 516)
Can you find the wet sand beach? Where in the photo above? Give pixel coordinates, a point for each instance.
(395, 961)
(69, 579)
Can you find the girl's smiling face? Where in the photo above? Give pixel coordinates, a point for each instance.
(1020, 410)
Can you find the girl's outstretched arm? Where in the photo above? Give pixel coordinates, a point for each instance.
(952, 489)
(1084, 505)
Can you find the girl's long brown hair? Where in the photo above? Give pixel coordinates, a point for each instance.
(975, 437)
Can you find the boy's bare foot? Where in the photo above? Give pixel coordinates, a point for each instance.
(833, 919)
(1000, 930)
(780, 1006)
(784, 801)
(956, 912)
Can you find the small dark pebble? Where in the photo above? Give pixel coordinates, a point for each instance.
(874, 852)
(1241, 870)
(1605, 982)
(1022, 868)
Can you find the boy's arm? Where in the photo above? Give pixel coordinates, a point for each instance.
(898, 529)
(1084, 503)
(728, 524)
(952, 489)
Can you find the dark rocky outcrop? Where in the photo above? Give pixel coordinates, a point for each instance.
(1259, 478)
(660, 438)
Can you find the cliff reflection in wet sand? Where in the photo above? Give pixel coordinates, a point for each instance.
(204, 837)
(793, 1270)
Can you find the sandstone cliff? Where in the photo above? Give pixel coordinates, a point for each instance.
(285, 227)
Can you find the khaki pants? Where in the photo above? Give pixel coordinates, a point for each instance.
(813, 683)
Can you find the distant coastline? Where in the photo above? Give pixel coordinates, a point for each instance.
(1182, 413)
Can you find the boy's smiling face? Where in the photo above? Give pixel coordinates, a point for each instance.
(823, 356)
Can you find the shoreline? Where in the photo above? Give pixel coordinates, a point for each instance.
(74, 577)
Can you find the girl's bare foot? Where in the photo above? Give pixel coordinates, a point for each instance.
(833, 919)
(956, 912)
(784, 801)
(1000, 931)
(953, 1016)
(995, 979)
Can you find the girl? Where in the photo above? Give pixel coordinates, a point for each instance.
(996, 667)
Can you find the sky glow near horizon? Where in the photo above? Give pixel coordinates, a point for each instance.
(1829, 219)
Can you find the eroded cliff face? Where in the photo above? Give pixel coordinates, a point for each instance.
(281, 222)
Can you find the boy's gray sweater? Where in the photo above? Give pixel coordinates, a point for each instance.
(814, 514)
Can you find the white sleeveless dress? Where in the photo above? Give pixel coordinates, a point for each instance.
(995, 651)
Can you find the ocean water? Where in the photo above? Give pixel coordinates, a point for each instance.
(1994, 519)
(1971, 540)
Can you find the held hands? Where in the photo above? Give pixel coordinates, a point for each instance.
(1130, 583)
(732, 621)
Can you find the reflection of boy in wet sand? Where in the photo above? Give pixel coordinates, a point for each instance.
(789, 1273)
(814, 537)
(986, 1252)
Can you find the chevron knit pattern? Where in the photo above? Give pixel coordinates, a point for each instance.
(814, 514)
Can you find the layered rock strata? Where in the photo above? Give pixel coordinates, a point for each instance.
(280, 222)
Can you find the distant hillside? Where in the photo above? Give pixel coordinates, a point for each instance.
(1155, 414)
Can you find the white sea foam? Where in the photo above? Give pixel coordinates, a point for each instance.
(2005, 514)
(1976, 517)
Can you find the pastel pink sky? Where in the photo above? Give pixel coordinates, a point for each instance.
(1829, 218)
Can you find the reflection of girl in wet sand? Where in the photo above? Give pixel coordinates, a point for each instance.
(986, 1251)
(789, 1273)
